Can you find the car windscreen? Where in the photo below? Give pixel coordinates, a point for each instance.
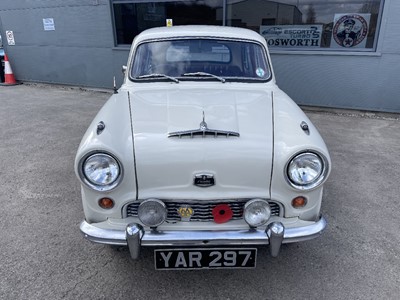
(184, 58)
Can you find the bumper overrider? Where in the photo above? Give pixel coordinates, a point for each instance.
(134, 236)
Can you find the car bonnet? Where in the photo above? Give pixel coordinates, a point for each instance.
(167, 163)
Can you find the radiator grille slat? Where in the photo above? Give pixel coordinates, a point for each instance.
(202, 209)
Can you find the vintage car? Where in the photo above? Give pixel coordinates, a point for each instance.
(200, 155)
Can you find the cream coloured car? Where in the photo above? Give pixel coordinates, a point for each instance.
(200, 154)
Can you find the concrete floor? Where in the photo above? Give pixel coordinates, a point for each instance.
(43, 255)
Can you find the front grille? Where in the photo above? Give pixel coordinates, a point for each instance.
(202, 210)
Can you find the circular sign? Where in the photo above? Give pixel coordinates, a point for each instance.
(350, 30)
(260, 72)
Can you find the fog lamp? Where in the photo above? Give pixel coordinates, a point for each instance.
(152, 212)
(256, 212)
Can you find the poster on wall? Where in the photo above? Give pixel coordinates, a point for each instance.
(48, 24)
(10, 37)
(292, 36)
(350, 31)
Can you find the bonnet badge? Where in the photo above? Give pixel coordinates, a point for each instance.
(204, 180)
(203, 124)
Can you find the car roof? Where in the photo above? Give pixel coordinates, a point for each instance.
(198, 31)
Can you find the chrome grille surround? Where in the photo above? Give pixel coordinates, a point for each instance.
(202, 209)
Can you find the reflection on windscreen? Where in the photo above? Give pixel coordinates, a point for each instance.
(228, 59)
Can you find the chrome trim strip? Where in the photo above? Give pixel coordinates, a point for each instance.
(133, 145)
(202, 238)
(197, 238)
(273, 142)
(203, 131)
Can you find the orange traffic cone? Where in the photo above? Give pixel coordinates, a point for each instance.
(9, 78)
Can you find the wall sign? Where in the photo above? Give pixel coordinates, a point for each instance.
(292, 36)
(48, 24)
(10, 38)
(350, 31)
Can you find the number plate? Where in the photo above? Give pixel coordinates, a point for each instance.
(212, 258)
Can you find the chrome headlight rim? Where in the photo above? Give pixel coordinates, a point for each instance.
(315, 183)
(87, 182)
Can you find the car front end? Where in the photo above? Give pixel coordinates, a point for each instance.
(201, 155)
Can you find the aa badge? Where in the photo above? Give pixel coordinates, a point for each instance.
(186, 212)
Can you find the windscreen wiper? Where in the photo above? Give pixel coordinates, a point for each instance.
(157, 75)
(205, 74)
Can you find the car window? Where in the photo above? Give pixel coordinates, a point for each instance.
(229, 59)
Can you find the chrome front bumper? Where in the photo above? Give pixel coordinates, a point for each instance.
(135, 237)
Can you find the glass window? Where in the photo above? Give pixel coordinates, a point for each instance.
(200, 59)
(335, 25)
(310, 24)
(131, 18)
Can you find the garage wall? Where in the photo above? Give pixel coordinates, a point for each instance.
(358, 82)
(81, 52)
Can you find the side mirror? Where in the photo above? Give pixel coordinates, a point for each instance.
(124, 69)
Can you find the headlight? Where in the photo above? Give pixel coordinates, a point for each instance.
(101, 171)
(306, 171)
(256, 212)
(152, 212)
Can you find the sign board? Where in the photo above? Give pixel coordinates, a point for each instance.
(10, 38)
(350, 31)
(48, 24)
(292, 36)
